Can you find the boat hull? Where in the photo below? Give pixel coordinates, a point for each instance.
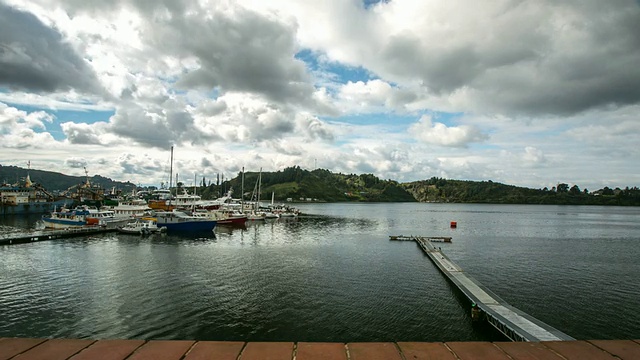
(63, 223)
(190, 226)
(233, 221)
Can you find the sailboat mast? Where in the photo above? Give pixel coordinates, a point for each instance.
(242, 192)
(259, 185)
(170, 173)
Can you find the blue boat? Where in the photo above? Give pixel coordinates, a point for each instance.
(179, 221)
(64, 219)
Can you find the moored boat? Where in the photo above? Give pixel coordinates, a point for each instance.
(143, 226)
(106, 218)
(223, 216)
(180, 221)
(129, 208)
(66, 218)
(27, 197)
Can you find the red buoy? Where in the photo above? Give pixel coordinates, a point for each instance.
(454, 224)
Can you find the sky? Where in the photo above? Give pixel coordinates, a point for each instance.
(527, 93)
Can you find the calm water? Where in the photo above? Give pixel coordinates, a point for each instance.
(331, 276)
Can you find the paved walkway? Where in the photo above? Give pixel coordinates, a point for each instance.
(75, 349)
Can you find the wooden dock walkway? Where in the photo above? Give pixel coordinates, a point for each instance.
(42, 235)
(513, 323)
(77, 349)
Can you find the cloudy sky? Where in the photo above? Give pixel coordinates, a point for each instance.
(528, 93)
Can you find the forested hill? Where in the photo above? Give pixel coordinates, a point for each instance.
(458, 191)
(319, 185)
(54, 181)
(323, 185)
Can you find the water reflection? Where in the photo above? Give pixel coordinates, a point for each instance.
(333, 276)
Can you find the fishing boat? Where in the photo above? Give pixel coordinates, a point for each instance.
(66, 218)
(143, 226)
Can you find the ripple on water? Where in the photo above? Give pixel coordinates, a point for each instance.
(331, 277)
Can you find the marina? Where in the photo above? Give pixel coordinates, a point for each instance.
(511, 322)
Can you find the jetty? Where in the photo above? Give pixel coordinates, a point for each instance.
(513, 323)
(42, 235)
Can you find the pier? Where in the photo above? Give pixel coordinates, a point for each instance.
(81, 349)
(42, 235)
(515, 324)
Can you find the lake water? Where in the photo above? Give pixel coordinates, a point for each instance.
(332, 275)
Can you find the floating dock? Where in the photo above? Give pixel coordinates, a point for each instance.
(513, 323)
(446, 239)
(42, 235)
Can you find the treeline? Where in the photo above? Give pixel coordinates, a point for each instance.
(459, 191)
(322, 185)
(318, 185)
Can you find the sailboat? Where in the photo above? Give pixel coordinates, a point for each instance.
(270, 214)
(181, 221)
(256, 215)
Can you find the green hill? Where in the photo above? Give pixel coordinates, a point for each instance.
(459, 191)
(319, 185)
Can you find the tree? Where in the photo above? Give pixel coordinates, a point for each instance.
(562, 188)
(607, 191)
(575, 190)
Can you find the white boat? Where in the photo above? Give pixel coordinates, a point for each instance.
(222, 216)
(284, 210)
(142, 226)
(256, 216)
(106, 218)
(129, 208)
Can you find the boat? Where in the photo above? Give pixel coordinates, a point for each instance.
(177, 220)
(161, 199)
(180, 221)
(257, 212)
(129, 208)
(106, 218)
(223, 216)
(27, 197)
(284, 210)
(256, 216)
(66, 218)
(143, 226)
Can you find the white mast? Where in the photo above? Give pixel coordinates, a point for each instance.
(242, 192)
(259, 185)
(170, 174)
